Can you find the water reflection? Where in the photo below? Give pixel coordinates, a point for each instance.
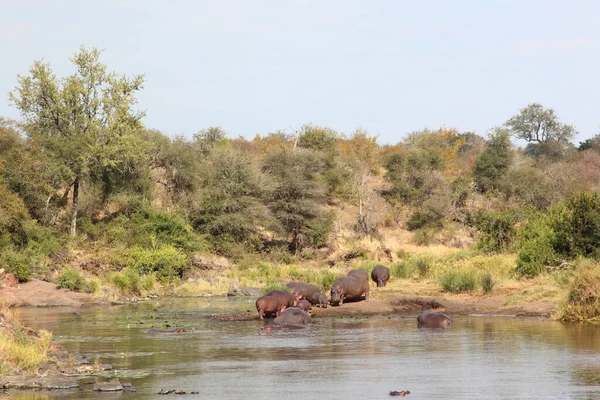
(478, 358)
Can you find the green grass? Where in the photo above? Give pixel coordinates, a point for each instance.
(458, 281)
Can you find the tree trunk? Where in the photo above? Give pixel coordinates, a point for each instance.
(75, 207)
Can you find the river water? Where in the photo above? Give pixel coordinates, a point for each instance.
(335, 358)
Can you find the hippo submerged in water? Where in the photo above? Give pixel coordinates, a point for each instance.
(292, 316)
(433, 319)
(380, 275)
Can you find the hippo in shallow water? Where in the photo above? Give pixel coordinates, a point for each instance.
(380, 275)
(285, 297)
(303, 290)
(292, 316)
(304, 305)
(269, 305)
(319, 300)
(349, 287)
(433, 319)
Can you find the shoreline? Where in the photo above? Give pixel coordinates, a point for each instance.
(44, 294)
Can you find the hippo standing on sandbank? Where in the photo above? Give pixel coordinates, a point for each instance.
(349, 287)
(284, 297)
(319, 300)
(268, 306)
(303, 290)
(380, 275)
(433, 319)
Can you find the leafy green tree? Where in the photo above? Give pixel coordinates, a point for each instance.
(494, 162)
(535, 123)
(85, 121)
(318, 138)
(577, 226)
(295, 201)
(229, 203)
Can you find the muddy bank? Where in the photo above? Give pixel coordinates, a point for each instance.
(44, 294)
(412, 305)
(41, 294)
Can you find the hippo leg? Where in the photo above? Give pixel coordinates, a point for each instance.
(261, 314)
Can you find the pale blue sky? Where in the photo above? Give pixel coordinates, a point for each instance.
(391, 67)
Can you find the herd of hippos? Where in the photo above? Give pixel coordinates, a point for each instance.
(290, 307)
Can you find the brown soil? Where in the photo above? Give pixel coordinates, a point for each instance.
(39, 293)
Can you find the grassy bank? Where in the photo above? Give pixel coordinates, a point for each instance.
(21, 349)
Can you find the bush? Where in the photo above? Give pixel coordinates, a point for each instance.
(422, 263)
(457, 281)
(402, 269)
(129, 281)
(18, 263)
(577, 226)
(583, 302)
(487, 282)
(423, 236)
(167, 262)
(536, 250)
(71, 280)
(497, 230)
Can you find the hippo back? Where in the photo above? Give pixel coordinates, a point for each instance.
(361, 273)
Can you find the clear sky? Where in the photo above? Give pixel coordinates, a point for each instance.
(390, 67)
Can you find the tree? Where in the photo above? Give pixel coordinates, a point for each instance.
(535, 123)
(363, 158)
(494, 162)
(229, 205)
(295, 201)
(85, 121)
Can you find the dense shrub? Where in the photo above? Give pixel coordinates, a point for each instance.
(497, 230)
(18, 263)
(70, 279)
(129, 281)
(402, 269)
(536, 249)
(457, 281)
(167, 262)
(577, 226)
(73, 280)
(487, 282)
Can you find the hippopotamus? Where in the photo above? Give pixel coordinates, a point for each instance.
(349, 287)
(319, 300)
(292, 316)
(304, 305)
(303, 290)
(433, 319)
(360, 273)
(380, 275)
(269, 305)
(285, 297)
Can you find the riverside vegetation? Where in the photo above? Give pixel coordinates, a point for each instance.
(94, 201)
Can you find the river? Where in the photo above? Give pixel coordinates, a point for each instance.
(335, 358)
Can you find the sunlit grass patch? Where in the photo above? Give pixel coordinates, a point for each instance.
(21, 348)
(583, 298)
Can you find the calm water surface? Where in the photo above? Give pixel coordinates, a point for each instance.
(335, 358)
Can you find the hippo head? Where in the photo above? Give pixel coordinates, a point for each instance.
(380, 282)
(337, 293)
(323, 300)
